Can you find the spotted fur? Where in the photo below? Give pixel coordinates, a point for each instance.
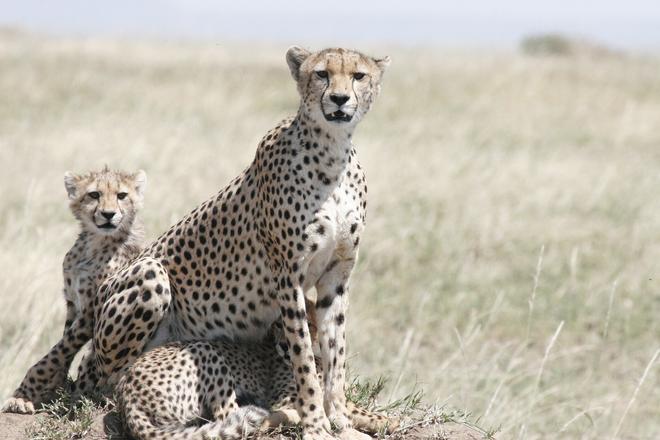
(250, 254)
(218, 389)
(106, 204)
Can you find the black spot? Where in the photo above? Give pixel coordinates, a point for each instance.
(324, 303)
(147, 315)
(122, 353)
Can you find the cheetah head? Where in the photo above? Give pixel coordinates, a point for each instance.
(337, 86)
(105, 202)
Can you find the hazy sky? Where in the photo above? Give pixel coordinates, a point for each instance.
(627, 24)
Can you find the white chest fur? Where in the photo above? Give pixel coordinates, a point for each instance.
(332, 235)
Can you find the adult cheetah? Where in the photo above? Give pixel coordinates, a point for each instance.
(290, 222)
(106, 204)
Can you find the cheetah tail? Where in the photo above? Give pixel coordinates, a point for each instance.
(239, 424)
(371, 422)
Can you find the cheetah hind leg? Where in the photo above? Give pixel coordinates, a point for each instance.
(138, 298)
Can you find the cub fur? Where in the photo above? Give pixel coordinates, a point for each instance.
(106, 204)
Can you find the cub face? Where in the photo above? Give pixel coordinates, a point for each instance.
(105, 202)
(337, 86)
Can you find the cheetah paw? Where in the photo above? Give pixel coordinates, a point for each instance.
(340, 421)
(18, 405)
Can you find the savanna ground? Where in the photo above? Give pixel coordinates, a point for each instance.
(510, 263)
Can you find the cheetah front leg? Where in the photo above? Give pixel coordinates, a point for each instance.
(87, 378)
(331, 307)
(291, 299)
(51, 371)
(70, 315)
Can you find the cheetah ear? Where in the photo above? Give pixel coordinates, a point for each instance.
(295, 56)
(140, 179)
(382, 63)
(70, 183)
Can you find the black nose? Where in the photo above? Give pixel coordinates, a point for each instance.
(108, 214)
(339, 99)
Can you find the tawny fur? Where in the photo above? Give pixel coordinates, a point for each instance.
(289, 223)
(106, 204)
(192, 390)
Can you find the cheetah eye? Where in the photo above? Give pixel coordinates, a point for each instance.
(94, 194)
(358, 75)
(122, 195)
(322, 73)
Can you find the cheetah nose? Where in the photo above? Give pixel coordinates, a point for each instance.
(339, 99)
(108, 214)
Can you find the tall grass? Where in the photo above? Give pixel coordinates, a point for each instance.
(476, 162)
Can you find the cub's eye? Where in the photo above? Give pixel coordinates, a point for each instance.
(358, 75)
(322, 73)
(94, 194)
(122, 196)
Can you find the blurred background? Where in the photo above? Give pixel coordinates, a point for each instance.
(509, 269)
(495, 24)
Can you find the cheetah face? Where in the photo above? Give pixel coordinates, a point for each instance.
(105, 202)
(337, 86)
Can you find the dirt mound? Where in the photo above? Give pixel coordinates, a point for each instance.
(106, 426)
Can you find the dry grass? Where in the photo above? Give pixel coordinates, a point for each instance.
(476, 162)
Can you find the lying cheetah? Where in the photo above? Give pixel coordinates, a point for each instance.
(247, 256)
(172, 390)
(106, 205)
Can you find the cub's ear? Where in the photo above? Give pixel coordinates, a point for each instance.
(295, 56)
(140, 179)
(382, 63)
(70, 183)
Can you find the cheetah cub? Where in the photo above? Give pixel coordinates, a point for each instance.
(106, 204)
(219, 389)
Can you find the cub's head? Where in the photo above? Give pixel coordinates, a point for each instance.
(337, 86)
(105, 202)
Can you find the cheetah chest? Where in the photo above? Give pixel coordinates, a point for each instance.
(333, 235)
(82, 277)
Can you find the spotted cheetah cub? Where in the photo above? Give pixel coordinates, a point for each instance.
(106, 204)
(219, 389)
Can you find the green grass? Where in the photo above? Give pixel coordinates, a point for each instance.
(476, 161)
(411, 409)
(63, 419)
